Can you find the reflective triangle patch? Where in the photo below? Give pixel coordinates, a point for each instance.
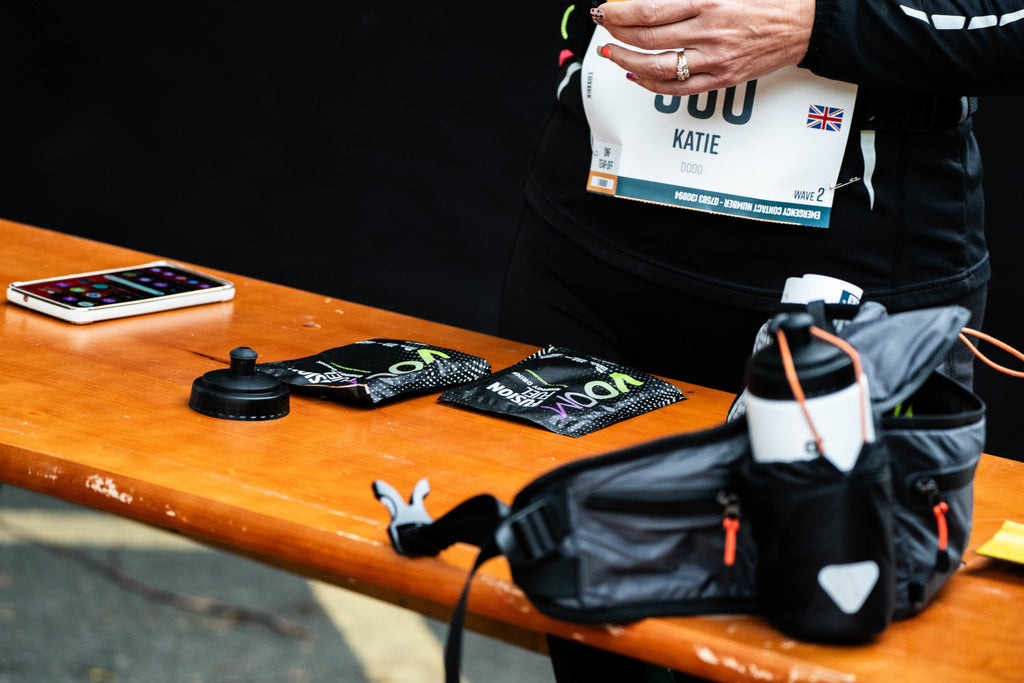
(849, 585)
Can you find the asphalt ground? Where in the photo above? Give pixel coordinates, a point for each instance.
(88, 596)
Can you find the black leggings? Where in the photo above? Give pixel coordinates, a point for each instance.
(557, 292)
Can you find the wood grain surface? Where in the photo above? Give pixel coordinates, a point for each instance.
(99, 415)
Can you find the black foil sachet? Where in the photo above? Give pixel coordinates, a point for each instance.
(566, 392)
(373, 370)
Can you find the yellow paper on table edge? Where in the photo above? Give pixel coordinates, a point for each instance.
(1006, 544)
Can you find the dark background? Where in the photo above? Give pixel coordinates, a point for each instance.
(371, 154)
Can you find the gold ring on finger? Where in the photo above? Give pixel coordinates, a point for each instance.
(682, 68)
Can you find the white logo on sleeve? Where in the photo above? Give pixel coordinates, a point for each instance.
(849, 585)
(956, 22)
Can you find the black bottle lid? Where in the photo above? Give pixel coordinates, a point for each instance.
(240, 392)
(821, 368)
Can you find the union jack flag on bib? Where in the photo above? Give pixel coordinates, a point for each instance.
(820, 117)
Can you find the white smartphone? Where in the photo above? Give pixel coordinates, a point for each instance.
(120, 292)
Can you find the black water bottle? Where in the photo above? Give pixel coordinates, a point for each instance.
(820, 500)
(833, 421)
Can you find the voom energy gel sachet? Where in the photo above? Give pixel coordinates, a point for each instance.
(377, 369)
(566, 392)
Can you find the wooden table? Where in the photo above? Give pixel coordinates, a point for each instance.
(98, 415)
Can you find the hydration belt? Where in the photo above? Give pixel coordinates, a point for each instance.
(691, 524)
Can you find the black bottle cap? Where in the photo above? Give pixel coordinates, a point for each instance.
(240, 392)
(822, 368)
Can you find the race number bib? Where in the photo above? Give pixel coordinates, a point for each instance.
(769, 149)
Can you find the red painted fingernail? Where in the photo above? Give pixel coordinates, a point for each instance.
(604, 51)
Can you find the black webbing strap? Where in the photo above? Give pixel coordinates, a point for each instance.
(453, 643)
(532, 533)
(414, 533)
(472, 521)
(475, 521)
(524, 537)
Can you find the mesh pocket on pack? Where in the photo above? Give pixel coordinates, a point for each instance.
(935, 438)
(825, 545)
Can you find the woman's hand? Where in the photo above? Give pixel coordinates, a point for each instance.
(726, 42)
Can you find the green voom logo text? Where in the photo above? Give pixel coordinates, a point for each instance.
(593, 392)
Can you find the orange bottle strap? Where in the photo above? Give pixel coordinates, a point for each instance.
(798, 392)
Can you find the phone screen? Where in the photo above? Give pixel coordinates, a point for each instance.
(121, 286)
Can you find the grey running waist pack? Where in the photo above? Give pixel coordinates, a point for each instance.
(691, 524)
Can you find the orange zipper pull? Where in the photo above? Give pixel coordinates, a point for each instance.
(730, 503)
(940, 510)
(732, 527)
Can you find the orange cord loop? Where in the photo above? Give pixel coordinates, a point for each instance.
(995, 342)
(798, 392)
